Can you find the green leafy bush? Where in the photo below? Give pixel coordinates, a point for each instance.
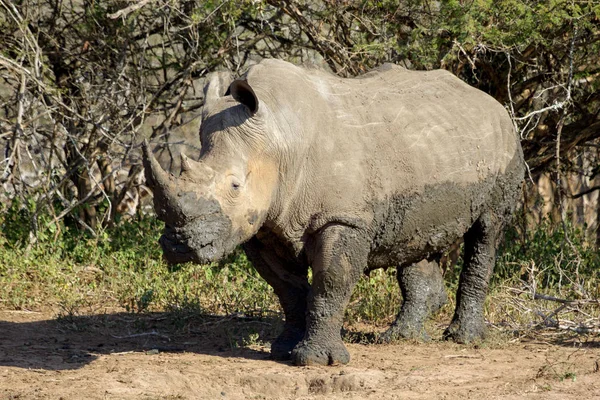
(551, 256)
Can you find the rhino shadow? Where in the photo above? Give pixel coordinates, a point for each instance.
(71, 342)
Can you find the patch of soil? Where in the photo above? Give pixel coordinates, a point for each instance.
(161, 356)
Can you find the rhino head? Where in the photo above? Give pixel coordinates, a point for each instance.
(221, 200)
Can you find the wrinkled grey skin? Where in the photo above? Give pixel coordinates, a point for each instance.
(306, 169)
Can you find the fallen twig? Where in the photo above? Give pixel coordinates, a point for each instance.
(153, 333)
(541, 296)
(462, 356)
(120, 353)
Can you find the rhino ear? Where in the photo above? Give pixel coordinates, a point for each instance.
(218, 82)
(243, 92)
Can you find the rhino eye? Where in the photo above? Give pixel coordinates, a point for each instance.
(234, 186)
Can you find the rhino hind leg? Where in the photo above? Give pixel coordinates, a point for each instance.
(468, 323)
(291, 287)
(423, 293)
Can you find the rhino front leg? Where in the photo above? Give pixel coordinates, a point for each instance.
(479, 254)
(339, 256)
(423, 293)
(290, 283)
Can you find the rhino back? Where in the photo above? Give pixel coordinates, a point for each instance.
(421, 128)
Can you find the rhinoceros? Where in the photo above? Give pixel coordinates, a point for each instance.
(305, 169)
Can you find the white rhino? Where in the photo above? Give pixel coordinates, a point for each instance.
(309, 170)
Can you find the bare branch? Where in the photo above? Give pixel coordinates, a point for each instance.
(124, 12)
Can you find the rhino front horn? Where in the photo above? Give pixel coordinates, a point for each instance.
(156, 177)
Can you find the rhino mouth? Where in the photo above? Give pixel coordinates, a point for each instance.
(175, 249)
(193, 242)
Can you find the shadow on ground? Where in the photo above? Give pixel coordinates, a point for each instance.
(28, 340)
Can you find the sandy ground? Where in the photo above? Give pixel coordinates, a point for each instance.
(158, 356)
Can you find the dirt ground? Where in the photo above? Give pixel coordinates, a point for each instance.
(158, 356)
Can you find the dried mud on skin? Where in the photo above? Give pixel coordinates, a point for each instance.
(124, 356)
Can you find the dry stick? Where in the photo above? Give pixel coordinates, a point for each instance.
(511, 103)
(565, 301)
(457, 44)
(558, 174)
(13, 159)
(587, 191)
(558, 137)
(552, 314)
(127, 10)
(559, 129)
(152, 333)
(554, 107)
(551, 298)
(463, 356)
(540, 296)
(579, 329)
(512, 112)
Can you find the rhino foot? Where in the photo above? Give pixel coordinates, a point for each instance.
(310, 353)
(282, 347)
(472, 331)
(423, 294)
(404, 331)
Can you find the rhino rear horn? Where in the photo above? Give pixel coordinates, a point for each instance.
(243, 93)
(185, 163)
